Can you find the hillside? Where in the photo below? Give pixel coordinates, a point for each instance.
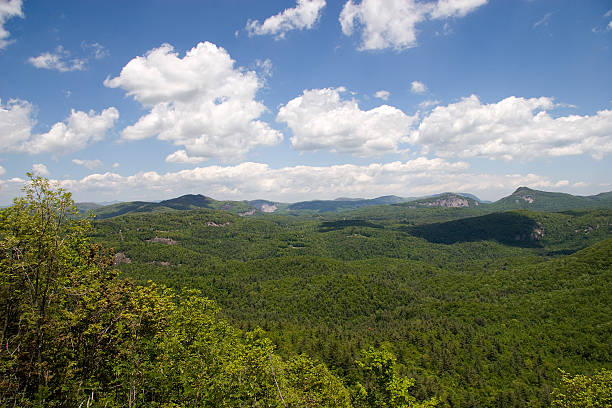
(522, 198)
(185, 202)
(526, 198)
(341, 204)
(477, 317)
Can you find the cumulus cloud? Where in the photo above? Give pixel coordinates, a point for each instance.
(89, 164)
(418, 87)
(199, 101)
(382, 94)
(181, 156)
(321, 119)
(40, 169)
(417, 177)
(393, 25)
(303, 16)
(116, 165)
(77, 131)
(59, 60)
(16, 123)
(513, 128)
(8, 9)
(2, 171)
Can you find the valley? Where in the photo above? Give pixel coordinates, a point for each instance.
(481, 305)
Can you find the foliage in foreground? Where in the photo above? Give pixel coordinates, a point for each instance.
(584, 392)
(75, 334)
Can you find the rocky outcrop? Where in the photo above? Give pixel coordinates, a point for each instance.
(120, 258)
(250, 212)
(451, 201)
(526, 198)
(214, 224)
(268, 208)
(167, 241)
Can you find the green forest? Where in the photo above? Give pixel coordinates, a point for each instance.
(390, 305)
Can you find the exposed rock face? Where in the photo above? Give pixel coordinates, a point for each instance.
(250, 212)
(214, 224)
(450, 201)
(537, 233)
(167, 241)
(120, 258)
(527, 198)
(268, 208)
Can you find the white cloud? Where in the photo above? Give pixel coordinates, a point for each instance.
(8, 9)
(417, 177)
(2, 171)
(199, 101)
(454, 8)
(610, 25)
(90, 164)
(429, 103)
(303, 16)
(59, 60)
(116, 165)
(321, 119)
(394, 24)
(15, 123)
(382, 94)
(98, 51)
(40, 169)
(264, 67)
(180, 156)
(513, 128)
(418, 87)
(76, 132)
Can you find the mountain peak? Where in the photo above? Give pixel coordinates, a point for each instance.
(523, 189)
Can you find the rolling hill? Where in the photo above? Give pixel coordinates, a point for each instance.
(522, 198)
(526, 198)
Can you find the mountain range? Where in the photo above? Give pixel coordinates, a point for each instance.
(522, 198)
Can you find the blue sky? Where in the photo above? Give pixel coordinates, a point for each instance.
(309, 99)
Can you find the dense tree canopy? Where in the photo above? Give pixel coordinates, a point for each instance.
(373, 311)
(76, 334)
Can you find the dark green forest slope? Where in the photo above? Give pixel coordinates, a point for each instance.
(481, 310)
(522, 198)
(381, 306)
(75, 334)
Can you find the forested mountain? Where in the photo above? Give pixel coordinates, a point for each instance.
(527, 198)
(455, 306)
(76, 334)
(480, 308)
(186, 202)
(522, 198)
(344, 203)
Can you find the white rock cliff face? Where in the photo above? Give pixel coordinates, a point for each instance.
(268, 208)
(451, 201)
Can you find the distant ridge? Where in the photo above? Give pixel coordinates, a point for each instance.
(188, 202)
(184, 202)
(527, 198)
(343, 203)
(446, 200)
(521, 198)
